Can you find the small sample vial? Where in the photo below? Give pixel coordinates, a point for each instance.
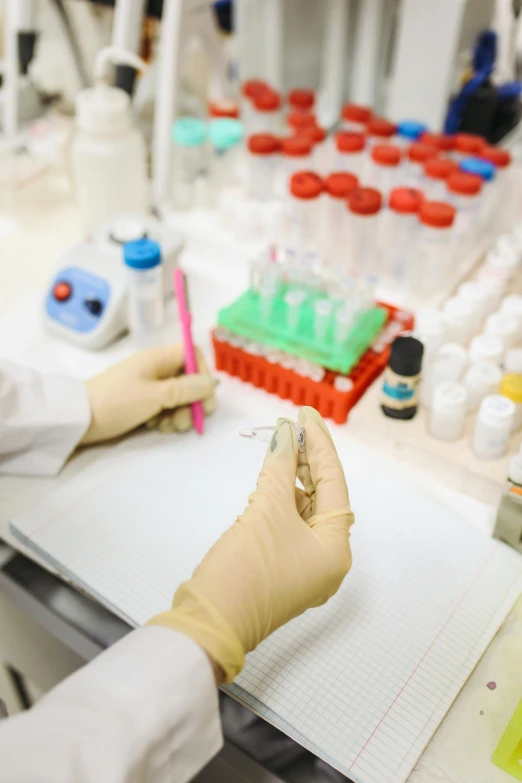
(350, 152)
(441, 141)
(448, 411)
(401, 379)
(296, 155)
(294, 300)
(268, 288)
(493, 426)
(417, 155)
(343, 322)
(386, 162)
(434, 251)
(448, 365)
(297, 121)
(321, 157)
(225, 136)
(467, 144)
(249, 90)
(464, 192)
(301, 100)
(380, 131)
(486, 348)
(355, 117)
(481, 380)
(305, 189)
(188, 135)
(262, 149)
(267, 112)
(511, 387)
(398, 233)
(504, 211)
(323, 309)
(486, 171)
(142, 257)
(338, 186)
(503, 326)
(460, 319)
(508, 525)
(364, 207)
(435, 176)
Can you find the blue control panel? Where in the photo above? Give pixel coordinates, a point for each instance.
(77, 299)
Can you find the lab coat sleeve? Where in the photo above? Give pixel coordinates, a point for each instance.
(42, 419)
(145, 711)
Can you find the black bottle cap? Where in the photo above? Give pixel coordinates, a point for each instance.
(406, 356)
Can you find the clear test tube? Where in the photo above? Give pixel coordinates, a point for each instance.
(409, 131)
(343, 321)
(434, 249)
(268, 288)
(464, 193)
(417, 155)
(323, 309)
(398, 234)
(338, 186)
(267, 112)
(364, 208)
(444, 142)
(225, 136)
(263, 151)
(503, 210)
(380, 131)
(296, 155)
(386, 165)
(486, 171)
(435, 176)
(188, 135)
(249, 90)
(355, 117)
(297, 121)
(306, 188)
(321, 157)
(294, 300)
(301, 100)
(350, 153)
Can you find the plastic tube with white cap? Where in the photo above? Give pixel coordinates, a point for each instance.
(503, 326)
(493, 426)
(448, 411)
(481, 380)
(486, 348)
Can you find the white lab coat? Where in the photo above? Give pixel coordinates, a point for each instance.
(145, 710)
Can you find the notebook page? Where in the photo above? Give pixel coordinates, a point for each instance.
(363, 681)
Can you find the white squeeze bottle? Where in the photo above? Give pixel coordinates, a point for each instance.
(108, 154)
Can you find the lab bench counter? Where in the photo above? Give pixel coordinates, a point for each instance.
(460, 750)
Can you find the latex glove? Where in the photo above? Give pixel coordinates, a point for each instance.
(288, 551)
(147, 388)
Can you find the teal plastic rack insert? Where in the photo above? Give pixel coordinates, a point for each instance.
(245, 317)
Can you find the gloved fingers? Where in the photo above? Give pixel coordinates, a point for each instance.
(167, 361)
(303, 503)
(326, 483)
(175, 392)
(278, 474)
(180, 419)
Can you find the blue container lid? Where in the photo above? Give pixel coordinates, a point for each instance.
(142, 254)
(189, 132)
(483, 168)
(411, 129)
(225, 133)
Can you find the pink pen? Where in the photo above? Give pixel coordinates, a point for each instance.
(191, 365)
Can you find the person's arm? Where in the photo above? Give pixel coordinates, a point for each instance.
(146, 710)
(43, 417)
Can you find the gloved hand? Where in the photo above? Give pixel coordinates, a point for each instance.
(147, 388)
(288, 551)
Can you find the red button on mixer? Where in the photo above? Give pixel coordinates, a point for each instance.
(62, 291)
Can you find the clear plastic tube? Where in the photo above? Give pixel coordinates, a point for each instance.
(323, 309)
(294, 300)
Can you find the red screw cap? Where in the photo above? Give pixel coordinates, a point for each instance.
(437, 214)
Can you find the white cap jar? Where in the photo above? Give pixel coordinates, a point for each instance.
(493, 426)
(448, 411)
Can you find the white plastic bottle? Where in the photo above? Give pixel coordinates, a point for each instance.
(108, 154)
(493, 426)
(448, 411)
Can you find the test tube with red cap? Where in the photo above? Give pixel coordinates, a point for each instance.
(318, 138)
(349, 155)
(296, 155)
(434, 181)
(338, 187)
(364, 208)
(263, 150)
(306, 188)
(355, 117)
(505, 207)
(434, 247)
(249, 90)
(383, 173)
(380, 131)
(464, 192)
(418, 154)
(468, 144)
(441, 141)
(266, 117)
(397, 240)
(301, 100)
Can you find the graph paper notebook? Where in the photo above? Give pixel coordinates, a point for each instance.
(362, 682)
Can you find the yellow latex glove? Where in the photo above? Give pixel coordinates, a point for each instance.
(149, 388)
(287, 552)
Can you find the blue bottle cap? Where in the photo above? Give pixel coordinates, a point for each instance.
(189, 132)
(411, 129)
(225, 133)
(142, 254)
(483, 168)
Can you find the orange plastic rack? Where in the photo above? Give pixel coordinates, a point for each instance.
(287, 384)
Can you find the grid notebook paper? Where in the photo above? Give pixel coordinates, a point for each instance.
(364, 681)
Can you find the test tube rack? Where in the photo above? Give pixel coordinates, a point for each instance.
(289, 385)
(245, 317)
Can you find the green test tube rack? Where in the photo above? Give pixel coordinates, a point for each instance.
(246, 317)
(508, 754)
